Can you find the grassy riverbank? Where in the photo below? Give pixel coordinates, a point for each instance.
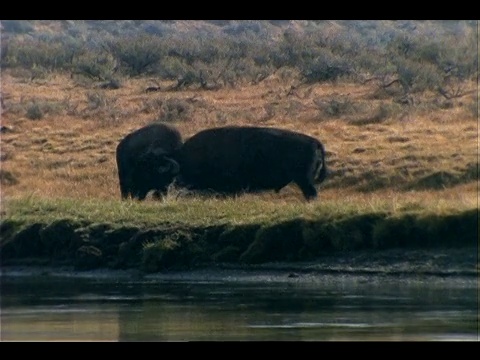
(194, 232)
(406, 183)
(400, 129)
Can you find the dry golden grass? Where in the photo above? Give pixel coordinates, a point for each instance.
(426, 153)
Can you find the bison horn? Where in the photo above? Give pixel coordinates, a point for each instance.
(172, 167)
(175, 167)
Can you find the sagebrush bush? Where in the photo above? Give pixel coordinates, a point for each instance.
(335, 107)
(174, 110)
(97, 66)
(34, 112)
(137, 54)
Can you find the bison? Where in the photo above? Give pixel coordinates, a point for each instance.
(238, 159)
(142, 160)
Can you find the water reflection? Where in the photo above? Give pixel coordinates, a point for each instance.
(269, 307)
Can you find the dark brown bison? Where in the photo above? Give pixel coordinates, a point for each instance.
(237, 159)
(136, 155)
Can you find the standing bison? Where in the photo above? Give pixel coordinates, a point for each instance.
(236, 159)
(143, 163)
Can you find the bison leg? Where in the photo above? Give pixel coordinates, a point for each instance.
(308, 189)
(140, 194)
(158, 194)
(124, 183)
(124, 194)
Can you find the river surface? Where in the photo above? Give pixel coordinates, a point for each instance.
(232, 305)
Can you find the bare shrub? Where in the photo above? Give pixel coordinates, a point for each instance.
(174, 110)
(336, 107)
(37, 109)
(380, 114)
(96, 100)
(152, 105)
(104, 108)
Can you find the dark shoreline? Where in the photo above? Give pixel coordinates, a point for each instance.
(461, 262)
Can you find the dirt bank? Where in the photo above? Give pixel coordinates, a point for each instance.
(395, 262)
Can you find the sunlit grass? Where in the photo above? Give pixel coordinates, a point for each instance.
(409, 161)
(246, 209)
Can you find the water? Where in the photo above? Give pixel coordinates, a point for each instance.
(210, 306)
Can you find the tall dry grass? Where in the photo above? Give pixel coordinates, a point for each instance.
(376, 149)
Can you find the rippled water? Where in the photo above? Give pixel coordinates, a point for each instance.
(238, 306)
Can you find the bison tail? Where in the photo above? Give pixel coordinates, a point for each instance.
(321, 166)
(322, 174)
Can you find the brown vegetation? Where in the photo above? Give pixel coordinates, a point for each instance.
(373, 143)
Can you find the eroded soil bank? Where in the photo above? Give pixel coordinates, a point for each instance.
(366, 243)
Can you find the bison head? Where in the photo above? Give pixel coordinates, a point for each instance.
(154, 170)
(157, 159)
